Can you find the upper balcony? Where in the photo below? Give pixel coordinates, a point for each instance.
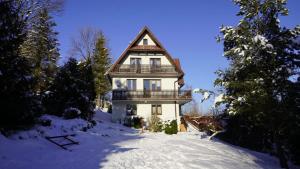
(145, 69)
(182, 96)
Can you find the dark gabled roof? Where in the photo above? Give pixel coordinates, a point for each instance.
(134, 47)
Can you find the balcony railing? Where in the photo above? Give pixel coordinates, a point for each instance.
(157, 95)
(144, 68)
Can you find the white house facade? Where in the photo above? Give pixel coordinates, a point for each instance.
(147, 81)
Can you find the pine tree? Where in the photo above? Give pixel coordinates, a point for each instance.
(40, 48)
(263, 56)
(18, 103)
(70, 90)
(88, 78)
(101, 62)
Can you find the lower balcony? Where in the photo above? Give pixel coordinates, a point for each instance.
(140, 95)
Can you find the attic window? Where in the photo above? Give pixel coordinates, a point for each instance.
(145, 41)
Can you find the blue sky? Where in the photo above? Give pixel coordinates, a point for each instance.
(186, 28)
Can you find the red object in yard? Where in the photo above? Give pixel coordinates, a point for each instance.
(204, 123)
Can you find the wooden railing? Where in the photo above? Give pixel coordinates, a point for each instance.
(145, 68)
(160, 95)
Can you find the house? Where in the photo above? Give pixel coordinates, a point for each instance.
(147, 81)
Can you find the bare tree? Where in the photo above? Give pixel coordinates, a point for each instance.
(83, 45)
(214, 111)
(192, 109)
(31, 8)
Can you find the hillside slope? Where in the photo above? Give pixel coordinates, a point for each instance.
(110, 145)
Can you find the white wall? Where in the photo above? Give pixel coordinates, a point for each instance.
(118, 112)
(146, 59)
(166, 83)
(168, 112)
(144, 110)
(146, 36)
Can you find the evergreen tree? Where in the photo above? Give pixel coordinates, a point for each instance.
(263, 56)
(101, 62)
(40, 48)
(18, 102)
(70, 90)
(90, 45)
(88, 78)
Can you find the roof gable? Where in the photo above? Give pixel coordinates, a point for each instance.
(146, 37)
(154, 45)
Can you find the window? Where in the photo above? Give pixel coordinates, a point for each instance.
(145, 41)
(135, 65)
(135, 61)
(131, 84)
(118, 83)
(156, 109)
(152, 84)
(155, 62)
(131, 109)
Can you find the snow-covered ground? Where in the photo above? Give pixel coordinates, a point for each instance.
(110, 145)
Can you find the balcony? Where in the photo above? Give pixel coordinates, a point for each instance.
(145, 69)
(182, 95)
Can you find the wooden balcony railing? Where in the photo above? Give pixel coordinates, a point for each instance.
(144, 68)
(159, 95)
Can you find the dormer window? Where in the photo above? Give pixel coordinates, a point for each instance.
(145, 41)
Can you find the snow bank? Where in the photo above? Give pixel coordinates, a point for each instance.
(185, 150)
(109, 145)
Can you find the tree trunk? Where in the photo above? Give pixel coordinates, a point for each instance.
(102, 101)
(98, 100)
